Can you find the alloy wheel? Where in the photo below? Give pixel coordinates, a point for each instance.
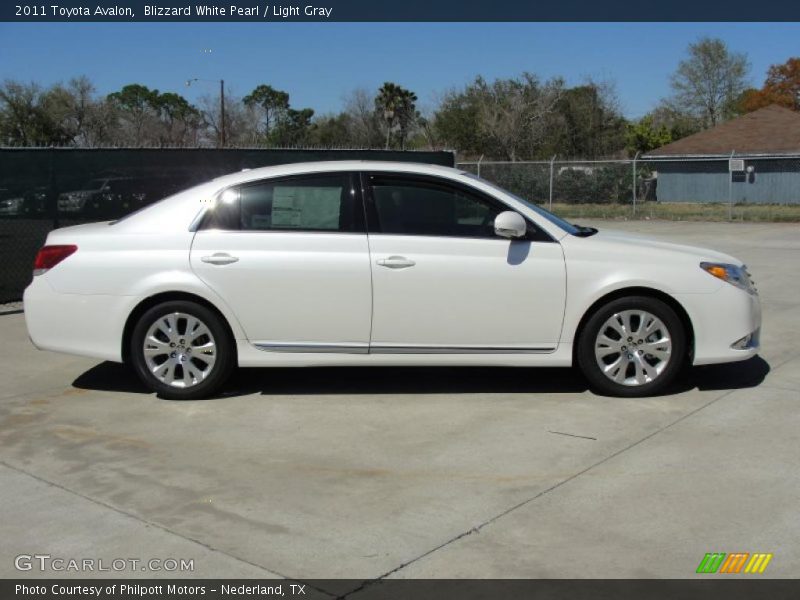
(179, 350)
(633, 347)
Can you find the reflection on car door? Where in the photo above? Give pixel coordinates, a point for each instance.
(444, 282)
(290, 257)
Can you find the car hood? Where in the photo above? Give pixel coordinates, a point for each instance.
(649, 246)
(81, 192)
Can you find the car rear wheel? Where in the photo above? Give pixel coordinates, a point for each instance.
(632, 347)
(182, 350)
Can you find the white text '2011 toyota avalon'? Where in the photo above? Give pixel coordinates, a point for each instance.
(370, 263)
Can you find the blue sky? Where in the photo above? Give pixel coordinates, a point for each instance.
(319, 63)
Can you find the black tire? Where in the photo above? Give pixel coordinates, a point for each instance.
(218, 373)
(588, 363)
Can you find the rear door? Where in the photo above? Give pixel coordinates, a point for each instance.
(290, 257)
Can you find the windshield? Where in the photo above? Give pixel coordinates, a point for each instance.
(95, 184)
(558, 221)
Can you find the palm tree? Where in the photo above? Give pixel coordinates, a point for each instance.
(407, 114)
(398, 107)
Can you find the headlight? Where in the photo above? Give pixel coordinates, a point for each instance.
(72, 201)
(733, 274)
(10, 204)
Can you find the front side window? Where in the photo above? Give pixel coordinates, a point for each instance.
(408, 206)
(558, 221)
(324, 203)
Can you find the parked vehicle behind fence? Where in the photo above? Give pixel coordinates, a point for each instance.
(110, 197)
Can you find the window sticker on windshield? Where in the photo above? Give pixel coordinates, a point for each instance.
(306, 207)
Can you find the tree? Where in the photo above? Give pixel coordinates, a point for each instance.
(136, 104)
(455, 122)
(330, 131)
(387, 103)
(644, 136)
(397, 105)
(507, 119)
(678, 123)
(31, 116)
(63, 114)
(83, 92)
(179, 119)
(512, 112)
(709, 82)
(272, 103)
(407, 115)
(781, 87)
(278, 122)
(428, 131)
(100, 125)
(587, 123)
(364, 123)
(75, 106)
(241, 124)
(293, 127)
(148, 117)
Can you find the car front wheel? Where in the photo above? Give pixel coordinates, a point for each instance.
(182, 350)
(632, 347)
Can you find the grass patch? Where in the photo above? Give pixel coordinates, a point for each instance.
(767, 213)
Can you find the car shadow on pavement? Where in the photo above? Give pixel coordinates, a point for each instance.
(114, 377)
(728, 376)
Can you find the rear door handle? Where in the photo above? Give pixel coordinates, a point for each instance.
(219, 258)
(396, 262)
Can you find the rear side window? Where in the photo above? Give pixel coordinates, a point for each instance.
(324, 203)
(408, 206)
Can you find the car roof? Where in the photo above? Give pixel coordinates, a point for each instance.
(184, 207)
(333, 166)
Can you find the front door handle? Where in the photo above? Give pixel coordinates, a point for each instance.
(219, 258)
(396, 262)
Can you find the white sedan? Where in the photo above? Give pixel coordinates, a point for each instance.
(378, 263)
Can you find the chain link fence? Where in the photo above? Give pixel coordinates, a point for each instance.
(42, 189)
(767, 187)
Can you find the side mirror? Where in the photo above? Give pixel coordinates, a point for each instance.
(510, 224)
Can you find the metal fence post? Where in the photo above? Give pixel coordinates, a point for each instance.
(552, 160)
(479, 165)
(52, 194)
(730, 187)
(634, 182)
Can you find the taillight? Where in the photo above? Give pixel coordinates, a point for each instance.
(49, 256)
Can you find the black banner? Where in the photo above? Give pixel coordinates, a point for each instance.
(264, 11)
(713, 588)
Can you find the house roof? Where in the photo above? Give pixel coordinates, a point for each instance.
(769, 130)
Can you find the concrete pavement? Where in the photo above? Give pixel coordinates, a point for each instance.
(368, 473)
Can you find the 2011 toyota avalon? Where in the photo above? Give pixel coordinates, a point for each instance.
(372, 263)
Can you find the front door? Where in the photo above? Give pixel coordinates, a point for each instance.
(443, 281)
